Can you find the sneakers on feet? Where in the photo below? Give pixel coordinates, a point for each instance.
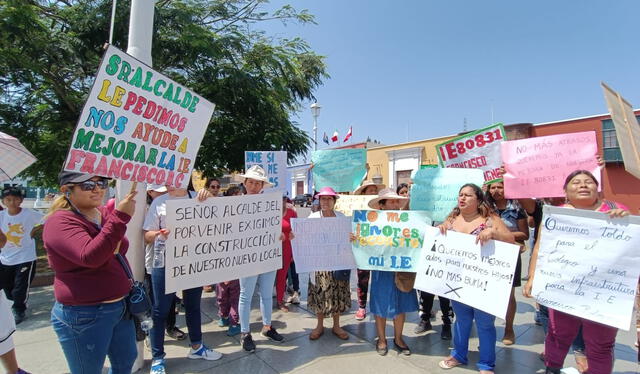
(223, 321)
(446, 332)
(233, 330)
(423, 327)
(157, 367)
(361, 314)
(295, 298)
(248, 344)
(272, 334)
(176, 333)
(204, 353)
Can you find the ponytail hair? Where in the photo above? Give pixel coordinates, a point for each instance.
(60, 203)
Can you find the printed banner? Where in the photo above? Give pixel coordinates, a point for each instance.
(138, 125)
(458, 268)
(479, 149)
(588, 265)
(627, 129)
(537, 167)
(273, 162)
(389, 240)
(341, 169)
(346, 204)
(435, 190)
(222, 239)
(322, 244)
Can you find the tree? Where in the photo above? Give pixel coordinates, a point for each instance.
(50, 51)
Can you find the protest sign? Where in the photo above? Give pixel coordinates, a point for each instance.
(322, 244)
(388, 240)
(435, 190)
(346, 204)
(340, 169)
(537, 167)
(458, 268)
(479, 149)
(222, 239)
(273, 162)
(627, 129)
(138, 125)
(588, 265)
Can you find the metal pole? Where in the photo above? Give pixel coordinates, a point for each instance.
(139, 46)
(315, 133)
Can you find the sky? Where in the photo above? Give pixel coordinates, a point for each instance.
(411, 70)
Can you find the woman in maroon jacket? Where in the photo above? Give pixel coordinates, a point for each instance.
(90, 285)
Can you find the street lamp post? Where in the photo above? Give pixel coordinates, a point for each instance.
(315, 111)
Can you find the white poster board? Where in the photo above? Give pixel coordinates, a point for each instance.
(346, 204)
(457, 268)
(588, 265)
(322, 244)
(222, 239)
(274, 164)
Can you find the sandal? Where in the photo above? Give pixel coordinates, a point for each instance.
(316, 335)
(341, 335)
(449, 363)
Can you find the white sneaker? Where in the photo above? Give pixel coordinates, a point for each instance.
(295, 298)
(204, 353)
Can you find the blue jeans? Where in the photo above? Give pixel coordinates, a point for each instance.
(485, 325)
(89, 333)
(265, 287)
(161, 309)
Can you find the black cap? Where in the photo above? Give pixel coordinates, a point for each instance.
(12, 191)
(67, 177)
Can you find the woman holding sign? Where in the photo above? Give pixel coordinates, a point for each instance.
(474, 216)
(329, 293)
(387, 300)
(515, 218)
(581, 190)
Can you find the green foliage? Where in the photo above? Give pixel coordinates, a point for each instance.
(50, 51)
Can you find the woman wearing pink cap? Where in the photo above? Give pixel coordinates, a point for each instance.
(329, 292)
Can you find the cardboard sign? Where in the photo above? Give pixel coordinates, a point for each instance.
(588, 265)
(222, 239)
(138, 125)
(322, 244)
(388, 240)
(435, 190)
(478, 149)
(459, 269)
(346, 204)
(537, 167)
(627, 129)
(273, 162)
(340, 169)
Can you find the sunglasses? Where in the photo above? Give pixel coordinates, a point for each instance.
(91, 185)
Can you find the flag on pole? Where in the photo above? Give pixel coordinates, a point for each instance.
(349, 133)
(334, 138)
(325, 138)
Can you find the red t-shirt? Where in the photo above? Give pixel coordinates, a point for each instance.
(286, 230)
(82, 256)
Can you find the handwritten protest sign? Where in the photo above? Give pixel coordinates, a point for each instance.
(435, 190)
(346, 204)
(273, 162)
(322, 244)
(138, 125)
(388, 240)
(537, 167)
(340, 169)
(588, 265)
(222, 239)
(459, 269)
(479, 149)
(627, 129)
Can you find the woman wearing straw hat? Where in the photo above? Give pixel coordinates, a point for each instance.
(387, 301)
(255, 179)
(366, 188)
(329, 293)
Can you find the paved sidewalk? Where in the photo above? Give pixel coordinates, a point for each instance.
(39, 352)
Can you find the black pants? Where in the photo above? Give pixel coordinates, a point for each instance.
(426, 303)
(171, 317)
(293, 278)
(15, 281)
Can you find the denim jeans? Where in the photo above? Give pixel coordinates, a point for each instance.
(485, 325)
(89, 333)
(161, 309)
(265, 283)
